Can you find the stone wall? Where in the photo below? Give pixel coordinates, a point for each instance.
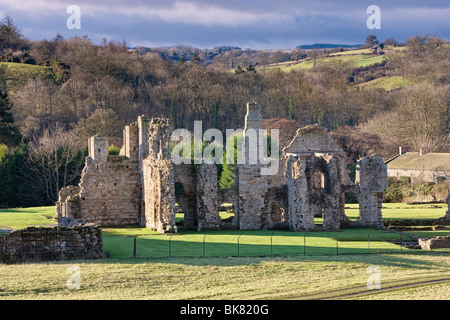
(252, 185)
(435, 243)
(109, 192)
(371, 175)
(51, 244)
(275, 214)
(208, 198)
(314, 190)
(159, 181)
(68, 202)
(185, 193)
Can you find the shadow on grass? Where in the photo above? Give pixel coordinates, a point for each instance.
(237, 247)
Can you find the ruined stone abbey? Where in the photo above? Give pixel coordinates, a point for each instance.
(142, 186)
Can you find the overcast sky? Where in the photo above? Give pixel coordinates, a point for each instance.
(258, 24)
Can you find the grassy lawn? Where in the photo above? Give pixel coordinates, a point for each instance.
(294, 277)
(399, 211)
(120, 241)
(26, 217)
(262, 271)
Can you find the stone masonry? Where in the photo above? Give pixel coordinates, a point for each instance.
(435, 243)
(142, 186)
(50, 244)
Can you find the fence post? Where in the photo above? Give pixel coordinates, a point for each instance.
(238, 242)
(368, 242)
(337, 243)
(304, 243)
(134, 240)
(170, 247)
(271, 250)
(401, 241)
(204, 244)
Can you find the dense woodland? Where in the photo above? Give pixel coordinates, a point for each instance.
(65, 90)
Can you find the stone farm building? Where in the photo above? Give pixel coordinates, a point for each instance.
(142, 185)
(428, 167)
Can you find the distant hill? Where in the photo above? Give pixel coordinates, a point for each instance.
(327, 46)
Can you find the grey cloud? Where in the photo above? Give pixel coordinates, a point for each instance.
(250, 23)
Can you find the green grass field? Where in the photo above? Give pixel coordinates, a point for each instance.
(402, 211)
(208, 267)
(386, 83)
(27, 217)
(120, 241)
(237, 278)
(358, 60)
(17, 74)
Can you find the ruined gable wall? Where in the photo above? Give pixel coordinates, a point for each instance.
(110, 192)
(312, 138)
(316, 139)
(314, 189)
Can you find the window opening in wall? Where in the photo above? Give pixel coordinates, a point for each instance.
(226, 210)
(351, 208)
(277, 212)
(318, 216)
(180, 215)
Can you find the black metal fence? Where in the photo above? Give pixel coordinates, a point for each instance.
(271, 243)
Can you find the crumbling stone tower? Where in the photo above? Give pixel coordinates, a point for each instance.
(371, 176)
(158, 178)
(252, 185)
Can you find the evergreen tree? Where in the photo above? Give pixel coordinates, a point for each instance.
(7, 181)
(9, 133)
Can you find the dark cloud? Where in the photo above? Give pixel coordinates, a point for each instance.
(205, 23)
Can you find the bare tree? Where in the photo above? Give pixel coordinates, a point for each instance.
(54, 161)
(420, 120)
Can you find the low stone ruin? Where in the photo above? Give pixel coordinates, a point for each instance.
(142, 185)
(434, 243)
(36, 244)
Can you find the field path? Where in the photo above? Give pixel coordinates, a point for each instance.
(363, 290)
